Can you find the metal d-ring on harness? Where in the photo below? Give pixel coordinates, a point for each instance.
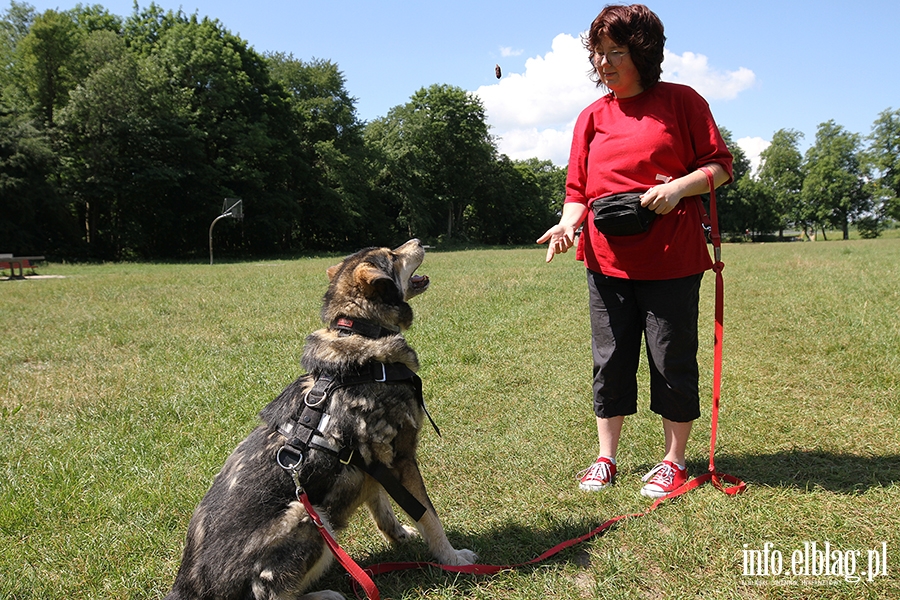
(305, 432)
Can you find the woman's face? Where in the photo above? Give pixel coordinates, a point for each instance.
(617, 71)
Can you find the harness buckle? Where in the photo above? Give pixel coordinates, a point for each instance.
(383, 374)
(293, 467)
(316, 402)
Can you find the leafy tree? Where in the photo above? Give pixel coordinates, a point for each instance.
(118, 146)
(884, 153)
(144, 28)
(233, 140)
(438, 150)
(51, 62)
(332, 188)
(95, 18)
(736, 209)
(33, 216)
(551, 181)
(833, 187)
(514, 207)
(781, 177)
(14, 25)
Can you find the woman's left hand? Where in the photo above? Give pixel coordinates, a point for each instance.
(665, 197)
(662, 198)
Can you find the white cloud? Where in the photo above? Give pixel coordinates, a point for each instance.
(753, 147)
(533, 113)
(507, 51)
(694, 70)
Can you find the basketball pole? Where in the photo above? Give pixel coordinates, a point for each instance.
(235, 210)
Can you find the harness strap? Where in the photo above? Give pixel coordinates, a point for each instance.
(402, 496)
(305, 431)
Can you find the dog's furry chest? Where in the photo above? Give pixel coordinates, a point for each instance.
(377, 419)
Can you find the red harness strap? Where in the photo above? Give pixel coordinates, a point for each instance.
(712, 476)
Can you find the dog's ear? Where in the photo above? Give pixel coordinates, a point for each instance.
(374, 281)
(332, 271)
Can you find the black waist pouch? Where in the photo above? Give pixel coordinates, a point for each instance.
(621, 214)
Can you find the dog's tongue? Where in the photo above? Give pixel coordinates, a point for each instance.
(419, 281)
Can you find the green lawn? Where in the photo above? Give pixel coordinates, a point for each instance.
(124, 387)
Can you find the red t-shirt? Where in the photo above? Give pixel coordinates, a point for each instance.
(630, 145)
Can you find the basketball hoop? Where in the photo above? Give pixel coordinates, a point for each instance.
(231, 207)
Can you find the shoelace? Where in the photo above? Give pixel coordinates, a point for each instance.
(662, 475)
(598, 470)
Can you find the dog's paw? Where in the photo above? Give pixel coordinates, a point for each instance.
(461, 558)
(400, 534)
(407, 533)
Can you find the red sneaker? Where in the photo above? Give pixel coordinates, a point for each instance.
(599, 475)
(664, 478)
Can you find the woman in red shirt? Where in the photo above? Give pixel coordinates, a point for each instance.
(649, 137)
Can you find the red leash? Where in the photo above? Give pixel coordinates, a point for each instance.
(712, 476)
(359, 575)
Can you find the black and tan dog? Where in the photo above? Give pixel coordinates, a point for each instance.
(250, 538)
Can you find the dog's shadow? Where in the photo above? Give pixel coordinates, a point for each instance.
(798, 469)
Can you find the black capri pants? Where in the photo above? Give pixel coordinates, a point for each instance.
(663, 311)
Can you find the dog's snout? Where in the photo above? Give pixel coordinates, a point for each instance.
(413, 244)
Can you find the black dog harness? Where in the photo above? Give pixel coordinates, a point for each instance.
(304, 432)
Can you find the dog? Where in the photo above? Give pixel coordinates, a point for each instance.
(250, 537)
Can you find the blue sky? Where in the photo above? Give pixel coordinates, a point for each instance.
(762, 65)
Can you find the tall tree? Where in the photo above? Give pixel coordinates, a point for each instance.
(516, 202)
(884, 153)
(33, 216)
(739, 211)
(52, 62)
(14, 25)
(833, 187)
(440, 150)
(550, 179)
(235, 140)
(121, 151)
(781, 177)
(332, 185)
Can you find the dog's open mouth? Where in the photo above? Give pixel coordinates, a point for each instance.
(419, 283)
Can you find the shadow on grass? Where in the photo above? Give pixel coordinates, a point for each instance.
(511, 543)
(514, 543)
(810, 469)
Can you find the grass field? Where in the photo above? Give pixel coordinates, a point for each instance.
(124, 387)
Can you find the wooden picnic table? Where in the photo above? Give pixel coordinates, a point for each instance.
(8, 261)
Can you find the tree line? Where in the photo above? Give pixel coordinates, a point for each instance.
(843, 179)
(120, 138)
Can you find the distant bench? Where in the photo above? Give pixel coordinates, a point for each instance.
(8, 261)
